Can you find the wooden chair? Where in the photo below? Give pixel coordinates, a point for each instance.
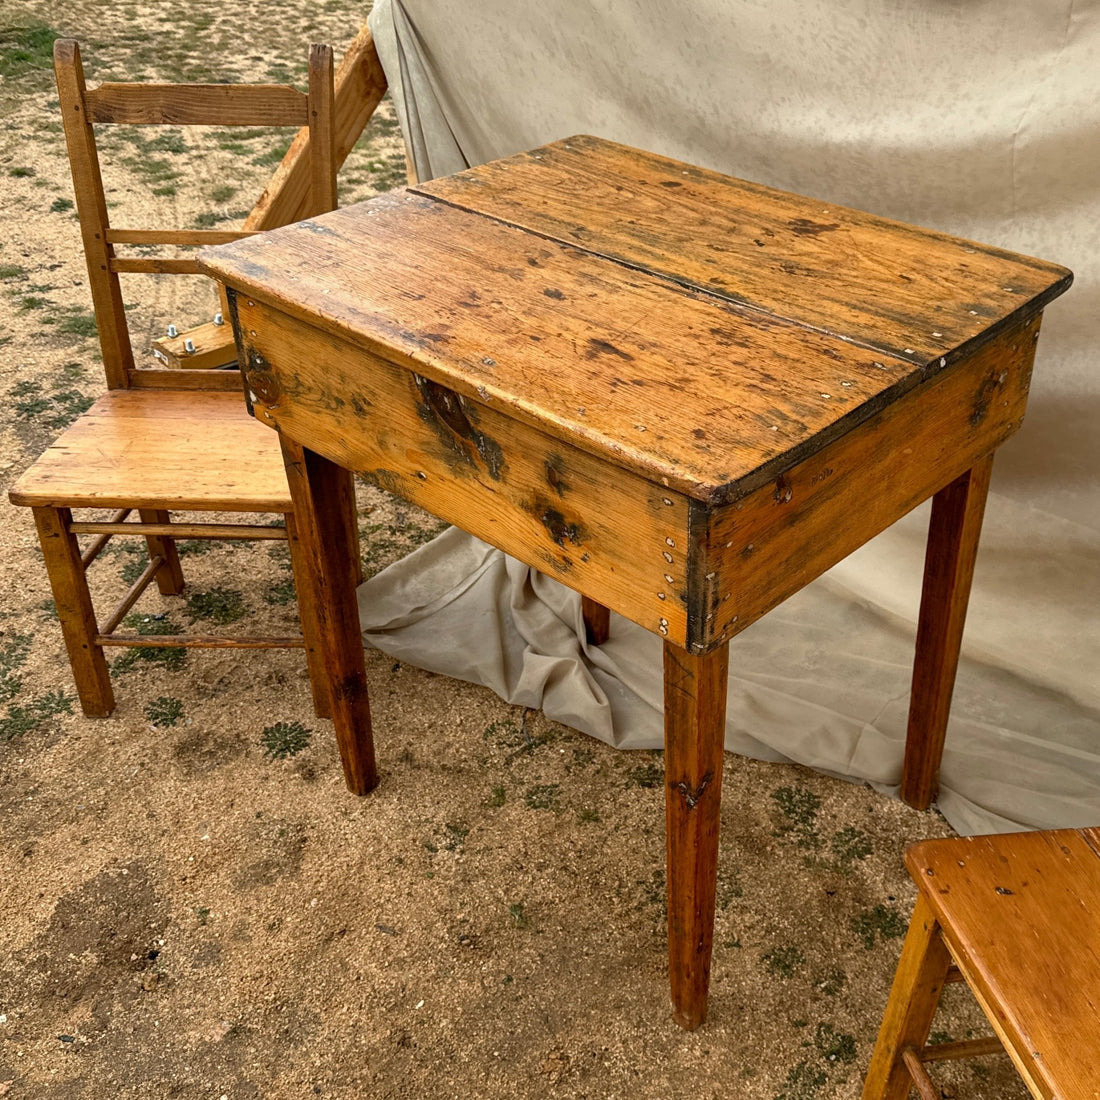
(162, 440)
(1016, 917)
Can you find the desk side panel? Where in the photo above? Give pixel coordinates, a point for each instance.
(591, 525)
(750, 556)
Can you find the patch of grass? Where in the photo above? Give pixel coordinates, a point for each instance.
(803, 1082)
(850, 845)
(799, 808)
(281, 593)
(13, 655)
(273, 156)
(285, 739)
(588, 814)
(164, 711)
(833, 1045)
(61, 205)
(30, 302)
(77, 322)
(784, 961)
(223, 193)
(515, 911)
(647, 776)
(888, 924)
(54, 410)
(20, 720)
(169, 658)
(12, 271)
(543, 796)
(217, 605)
(21, 172)
(496, 798)
(133, 568)
(25, 49)
(202, 913)
(831, 982)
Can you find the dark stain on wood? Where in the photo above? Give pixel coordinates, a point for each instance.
(553, 292)
(987, 391)
(783, 491)
(446, 412)
(597, 348)
(693, 795)
(804, 227)
(260, 379)
(671, 183)
(555, 475)
(560, 529)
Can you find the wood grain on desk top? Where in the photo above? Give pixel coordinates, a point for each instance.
(592, 338)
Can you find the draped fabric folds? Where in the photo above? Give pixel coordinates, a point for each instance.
(981, 120)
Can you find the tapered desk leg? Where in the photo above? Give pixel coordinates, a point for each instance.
(953, 534)
(695, 721)
(597, 621)
(319, 490)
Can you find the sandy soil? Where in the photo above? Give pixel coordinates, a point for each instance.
(191, 904)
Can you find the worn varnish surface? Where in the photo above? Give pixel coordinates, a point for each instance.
(682, 395)
(591, 525)
(138, 448)
(685, 386)
(1021, 915)
(908, 291)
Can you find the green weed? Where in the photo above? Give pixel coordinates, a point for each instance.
(164, 711)
(218, 605)
(784, 961)
(888, 924)
(285, 739)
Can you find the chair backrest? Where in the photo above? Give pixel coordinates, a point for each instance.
(145, 104)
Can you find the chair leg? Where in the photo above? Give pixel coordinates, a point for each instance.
(74, 610)
(914, 995)
(170, 575)
(307, 616)
(695, 728)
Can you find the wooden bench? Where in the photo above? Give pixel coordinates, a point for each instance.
(1017, 917)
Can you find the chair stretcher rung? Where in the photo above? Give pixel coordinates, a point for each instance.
(182, 530)
(967, 1048)
(199, 641)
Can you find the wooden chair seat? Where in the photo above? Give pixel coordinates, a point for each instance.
(1019, 916)
(138, 449)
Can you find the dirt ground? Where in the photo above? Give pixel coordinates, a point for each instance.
(192, 905)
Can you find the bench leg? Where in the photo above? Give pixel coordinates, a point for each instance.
(597, 621)
(319, 490)
(695, 724)
(307, 617)
(914, 995)
(74, 610)
(953, 533)
(170, 574)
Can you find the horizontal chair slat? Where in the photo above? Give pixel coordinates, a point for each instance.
(176, 236)
(197, 104)
(965, 1048)
(154, 266)
(154, 379)
(198, 641)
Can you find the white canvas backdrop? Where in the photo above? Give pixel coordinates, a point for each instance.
(980, 119)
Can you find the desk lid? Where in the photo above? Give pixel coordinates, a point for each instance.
(703, 331)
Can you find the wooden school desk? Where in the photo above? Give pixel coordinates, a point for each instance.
(683, 395)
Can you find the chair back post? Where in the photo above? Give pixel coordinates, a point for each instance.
(91, 207)
(322, 130)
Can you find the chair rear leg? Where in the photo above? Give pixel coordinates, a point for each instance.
(918, 983)
(74, 609)
(307, 616)
(170, 574)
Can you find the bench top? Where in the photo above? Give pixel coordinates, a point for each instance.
(1021, 916)
(705, 332)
